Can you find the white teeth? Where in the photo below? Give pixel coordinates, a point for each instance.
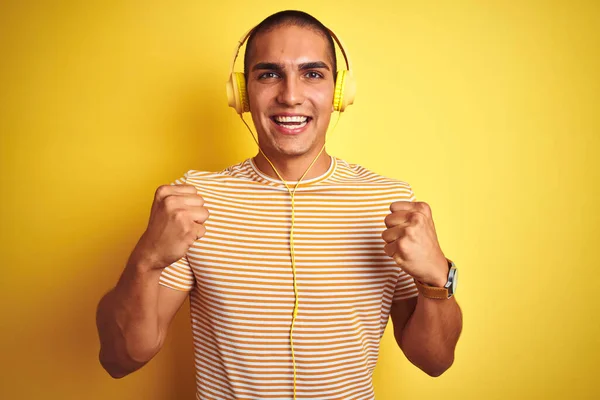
(298, 126)
(295, 118)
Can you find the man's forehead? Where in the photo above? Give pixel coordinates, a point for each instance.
(290, 44)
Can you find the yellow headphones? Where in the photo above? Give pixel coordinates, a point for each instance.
(345, 86)
(344, 92)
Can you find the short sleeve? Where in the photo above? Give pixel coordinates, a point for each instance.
(405, 286)
(412, 197)
(179, 275)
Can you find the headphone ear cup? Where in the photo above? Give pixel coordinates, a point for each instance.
(345, 90)
(243, 94)
(349, 89)
(237, 96)
(338, 91)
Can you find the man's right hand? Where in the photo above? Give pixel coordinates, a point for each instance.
(176, 221)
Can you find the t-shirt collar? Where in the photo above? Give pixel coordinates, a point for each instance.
(262, 177)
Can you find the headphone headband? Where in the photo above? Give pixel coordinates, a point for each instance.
(247, 35)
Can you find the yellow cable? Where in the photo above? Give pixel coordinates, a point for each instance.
(292, 253)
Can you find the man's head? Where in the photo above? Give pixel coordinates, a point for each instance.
(290, 18)
(290, 68)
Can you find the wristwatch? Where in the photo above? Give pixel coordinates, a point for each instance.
(441, 293)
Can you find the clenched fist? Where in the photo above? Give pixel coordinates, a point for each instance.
(412, 242)
(176, 221)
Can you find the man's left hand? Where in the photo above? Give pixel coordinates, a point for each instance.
(412, 242)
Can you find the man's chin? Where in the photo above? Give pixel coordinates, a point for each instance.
(288, 151)
(292, 147)
(292, 153)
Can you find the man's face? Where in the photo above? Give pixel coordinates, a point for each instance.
(290, 90)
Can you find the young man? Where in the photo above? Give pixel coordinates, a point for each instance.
(236, 264)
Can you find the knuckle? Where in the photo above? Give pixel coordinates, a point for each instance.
(401, 246)
(170, 203)
(180, 216)
(388, 248)
(161, 191)
(417, 218)
(191, 236)
(393, 248)
(398, 205)
(387, 235)
(388, 219)
(201, 214)
(423, 206)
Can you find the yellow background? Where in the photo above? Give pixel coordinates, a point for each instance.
(489, 109)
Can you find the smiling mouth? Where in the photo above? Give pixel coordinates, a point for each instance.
(291, 122)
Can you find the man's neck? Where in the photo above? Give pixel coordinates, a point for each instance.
(291, 169)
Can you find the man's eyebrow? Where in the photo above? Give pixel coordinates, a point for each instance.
(279, 67)
(313, 65)
(268, 65)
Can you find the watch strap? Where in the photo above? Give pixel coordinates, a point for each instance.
(432, 292)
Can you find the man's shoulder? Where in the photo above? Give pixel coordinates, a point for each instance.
(358, 174)
(192, 176)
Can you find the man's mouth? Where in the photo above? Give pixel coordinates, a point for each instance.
(291, 122)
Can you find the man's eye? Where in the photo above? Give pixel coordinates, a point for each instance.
(268, 75)
(314, 75)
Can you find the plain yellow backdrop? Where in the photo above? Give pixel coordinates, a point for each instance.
(489, 109)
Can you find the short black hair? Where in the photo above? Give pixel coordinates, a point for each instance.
(290, 18)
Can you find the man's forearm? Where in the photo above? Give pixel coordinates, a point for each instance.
(431, 333)
(127, 320)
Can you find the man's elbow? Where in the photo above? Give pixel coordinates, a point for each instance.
(434, 373)
(116, 374)
(438, 368)
(118, 369)
(433, 363)
(113, 368)
(122, 361)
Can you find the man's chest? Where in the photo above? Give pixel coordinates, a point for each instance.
(335, 243)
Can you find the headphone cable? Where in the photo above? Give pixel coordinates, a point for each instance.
(292, 252)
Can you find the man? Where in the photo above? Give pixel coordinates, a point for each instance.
(235, 264)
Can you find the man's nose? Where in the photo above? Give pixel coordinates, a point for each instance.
(290, 92)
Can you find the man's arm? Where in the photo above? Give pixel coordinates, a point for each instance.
(427, 331)
(133, 319)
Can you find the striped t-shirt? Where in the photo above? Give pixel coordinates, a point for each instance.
(240, 280)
